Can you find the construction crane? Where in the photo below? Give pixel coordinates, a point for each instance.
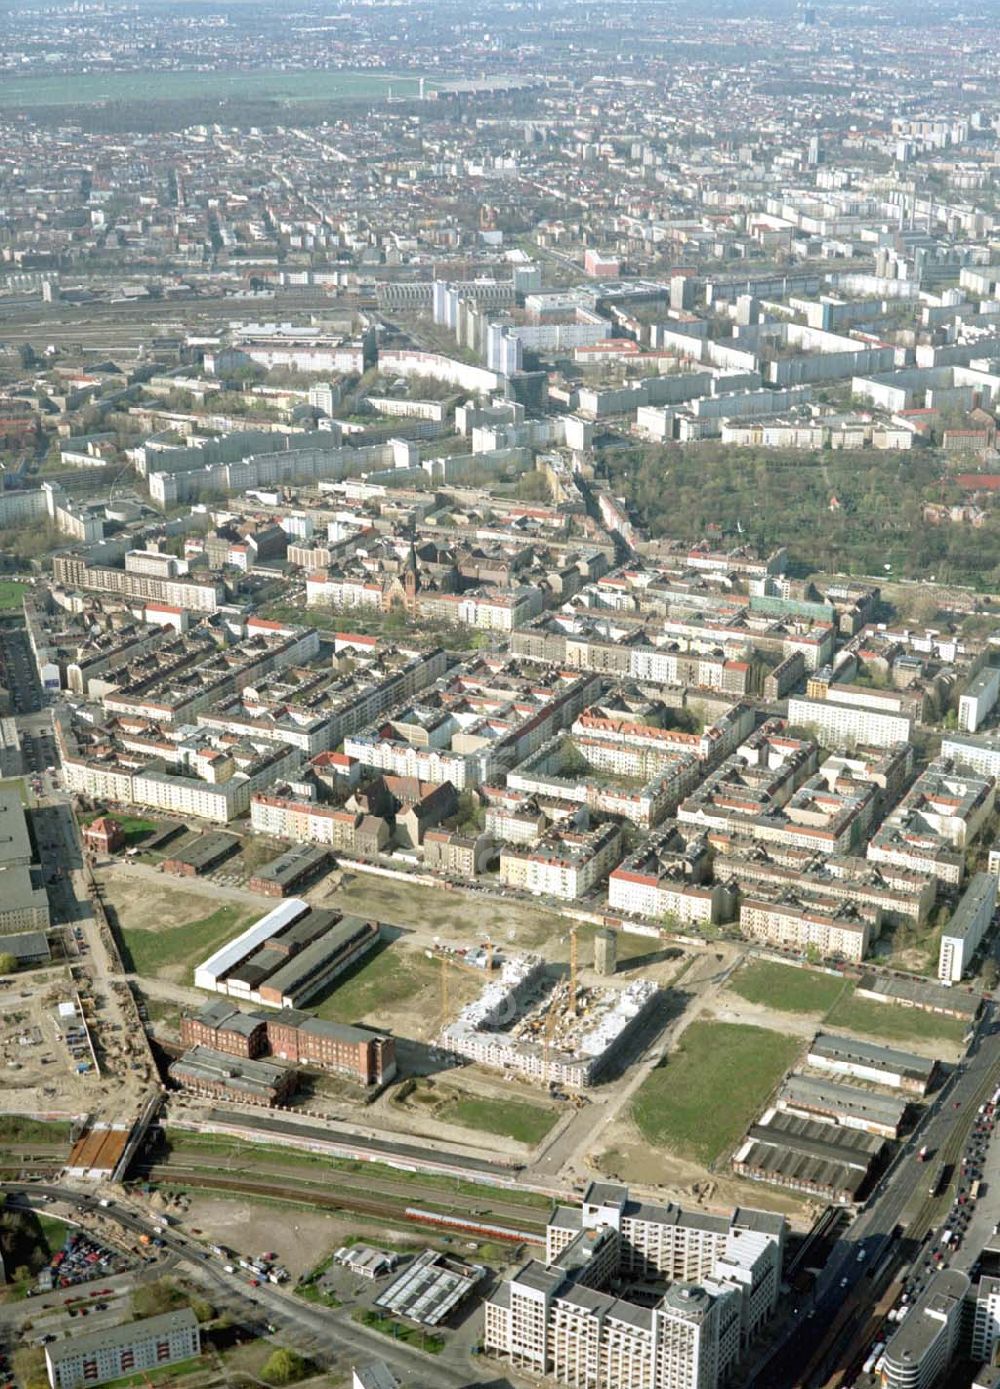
(456, 962)
(551, 1018)
(571, 995)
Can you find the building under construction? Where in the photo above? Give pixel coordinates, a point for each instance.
(561, 1037)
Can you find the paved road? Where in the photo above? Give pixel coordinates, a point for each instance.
(902, 1188)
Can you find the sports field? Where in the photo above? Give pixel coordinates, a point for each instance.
(88, 89)
(11, 593)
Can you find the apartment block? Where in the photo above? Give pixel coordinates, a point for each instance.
(564, 863)
(457, 855)
(99, 1356)
(839, 725)
(662, 880)
(283, 816)
(978, 699)
(72, 571)
(970, 921)
(939, 817)
(845, 935)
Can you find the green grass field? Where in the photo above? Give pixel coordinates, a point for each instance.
(891, 1023)
(134, 827)
(787, 989)
(88, 89)
(398, 1330)
(698, 1102)
(11, 593)
(14, 1128)
(382, 980)
(517, 1119)
(153, 951)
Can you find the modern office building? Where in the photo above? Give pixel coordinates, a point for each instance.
(23, 907)
(918, 1352)
(555, 1318)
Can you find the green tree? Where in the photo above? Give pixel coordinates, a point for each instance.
(8, 962)
(470, 817)
(283, 1366)
(153, 1299)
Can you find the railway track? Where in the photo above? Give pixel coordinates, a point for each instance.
(375, 1178)
(340, 1196)
(950, 1153)
(313, 1198)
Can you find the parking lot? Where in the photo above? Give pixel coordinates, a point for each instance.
(17, 671)
(81, 1260)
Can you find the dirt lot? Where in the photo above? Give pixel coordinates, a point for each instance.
(301, 1238)
(149, 906)
(624, 1155)
(167, 930)
(459, 917)
(38, 1071)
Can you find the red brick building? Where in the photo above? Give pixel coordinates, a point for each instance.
(224, 1028)
(104, 836)
(367, 1057)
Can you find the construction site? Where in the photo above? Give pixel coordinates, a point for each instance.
(532, 1024)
